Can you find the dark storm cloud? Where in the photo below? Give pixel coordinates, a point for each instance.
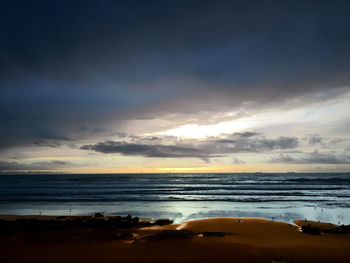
(242, 142)
(246, 134)
(314, 158)
(33, 166)
(48, 163)
(255, 145)
(186, 149)
(69, 68)
(236, 137)
(140, 40)
(325, 142)
(145, 150)
(315, 140)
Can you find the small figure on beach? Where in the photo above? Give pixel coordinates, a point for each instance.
(240, 220)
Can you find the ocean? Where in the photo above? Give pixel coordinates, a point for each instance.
(181, 197)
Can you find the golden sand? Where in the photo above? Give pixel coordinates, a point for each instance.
(246, 240)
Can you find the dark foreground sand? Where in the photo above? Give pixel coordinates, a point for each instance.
(207, 240)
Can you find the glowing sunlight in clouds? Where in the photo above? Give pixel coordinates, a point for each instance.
(201, 131)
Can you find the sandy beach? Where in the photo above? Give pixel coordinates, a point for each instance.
(206, 240)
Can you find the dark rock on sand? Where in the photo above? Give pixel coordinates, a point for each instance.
(128, 218)
(280, 260)
(214, 234)
(163, 222)
(122, 236)
(98, 215)
(169, 234)
(61, 224)
(310, 230)
(343, 229)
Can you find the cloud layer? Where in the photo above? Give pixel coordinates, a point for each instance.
(77, 67)
(237, 143)
(314, 158)
(77, 78)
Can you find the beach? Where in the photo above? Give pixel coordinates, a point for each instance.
(125, 239)
(176, 131)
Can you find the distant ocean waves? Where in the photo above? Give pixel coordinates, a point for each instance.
(289, 196)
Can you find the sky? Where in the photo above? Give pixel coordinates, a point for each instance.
(174, 86)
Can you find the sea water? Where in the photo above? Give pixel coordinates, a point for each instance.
(181, 197)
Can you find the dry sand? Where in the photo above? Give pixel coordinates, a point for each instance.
(251, 240)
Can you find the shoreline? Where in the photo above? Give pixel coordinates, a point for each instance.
(125, 239)
(13, 217)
